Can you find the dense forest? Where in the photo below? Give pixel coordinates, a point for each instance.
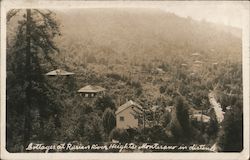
(152, 57)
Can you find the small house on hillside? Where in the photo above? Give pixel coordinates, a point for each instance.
(91, 91)
(59, 72)
(200, 118)
(195, 54)
(198, 62)
(194, 111)
(198, 115)
(127, 115)
(159, 71)
(169, 108)
(154, 108)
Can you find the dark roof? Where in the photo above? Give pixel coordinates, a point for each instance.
(91, 89)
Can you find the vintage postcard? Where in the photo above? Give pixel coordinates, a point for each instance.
(125, 80)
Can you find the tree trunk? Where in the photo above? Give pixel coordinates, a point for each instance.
(27, 122)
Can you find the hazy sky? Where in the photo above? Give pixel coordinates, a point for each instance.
(228, 13)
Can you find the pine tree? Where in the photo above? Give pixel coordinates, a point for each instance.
(109, 121)
(232, 138)
(183, 118)
(104, 102)
(26, 85)
(213, 127)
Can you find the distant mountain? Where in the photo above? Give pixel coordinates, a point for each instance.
(145, 32)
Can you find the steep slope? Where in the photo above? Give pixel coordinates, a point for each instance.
(143, 32)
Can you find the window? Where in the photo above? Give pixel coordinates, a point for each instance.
(121, 118)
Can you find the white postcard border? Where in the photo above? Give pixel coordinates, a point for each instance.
(6, 5)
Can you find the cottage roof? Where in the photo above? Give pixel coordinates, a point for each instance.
(169, 108)
(194, 111)
(198, 62)
(160, 70)
(91, 89)
(154, 108)
(59, 72)
(196, 54)
(127, 105)
(228, 107)
(201, 117)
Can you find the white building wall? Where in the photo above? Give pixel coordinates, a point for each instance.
(129, 120)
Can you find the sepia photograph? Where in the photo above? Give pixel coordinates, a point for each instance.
(148, 77)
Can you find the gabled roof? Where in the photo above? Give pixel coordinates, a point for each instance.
(198, 62)
(195, 54)
(127, 105)
(91, 89)
(59, 72)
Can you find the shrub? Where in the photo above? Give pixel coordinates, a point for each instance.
(119, 134)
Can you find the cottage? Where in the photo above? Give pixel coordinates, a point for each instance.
(154, 108)
(159, 71)
(59, 72)
(196, 54)
(198, 62)
(194, 111)
(200, 117)
(169, 109)
(127, 115)
(91, 91)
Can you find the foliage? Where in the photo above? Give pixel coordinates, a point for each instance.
(104, 102)
(117, 77)
(119, 134)
(93, 129)
(108, 120)
(165, 119)
(91, 59)
(183, 118)
(232, 138)
(31, 46)
(213, 127)
(126, 69)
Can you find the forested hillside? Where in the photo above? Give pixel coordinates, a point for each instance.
(152, 57)
(143, 33)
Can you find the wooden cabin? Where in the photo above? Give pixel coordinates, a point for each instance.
(127, 115)
(91, 91)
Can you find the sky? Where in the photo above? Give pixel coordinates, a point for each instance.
(227, 13)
